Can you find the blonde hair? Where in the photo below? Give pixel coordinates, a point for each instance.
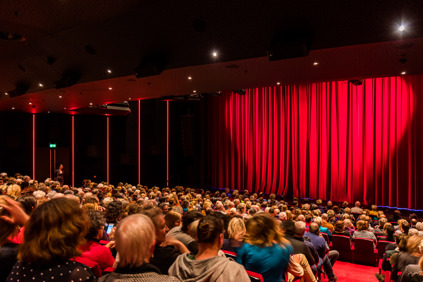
(413, 243)
(362, 225)
(135, 235)
(262, 230)
(236, 226)
(14, 190)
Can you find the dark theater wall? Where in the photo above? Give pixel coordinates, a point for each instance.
(187, 137)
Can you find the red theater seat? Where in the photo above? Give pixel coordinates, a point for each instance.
(364, 252)
(255, 277)
(342, 244)
(381, 246)
(229, 254)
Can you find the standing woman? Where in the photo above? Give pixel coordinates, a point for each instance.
(58, 175)
(265, 251)
(52, 237)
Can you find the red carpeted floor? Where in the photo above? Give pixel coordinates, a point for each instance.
(352, 272)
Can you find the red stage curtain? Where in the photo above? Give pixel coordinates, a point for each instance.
(328, 140)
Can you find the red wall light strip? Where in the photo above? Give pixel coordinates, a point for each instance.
(139, 141)
(167, 143)
(33, 146)
(107, 148)
(73, 151)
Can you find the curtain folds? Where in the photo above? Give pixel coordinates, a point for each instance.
(328, 140)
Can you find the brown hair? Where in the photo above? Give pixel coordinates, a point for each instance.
(339, 226)
(362, 225)
(171, 217)
(262, 230)
(54, 231)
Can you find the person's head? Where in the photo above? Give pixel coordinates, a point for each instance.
(339, 226)
(6, 229)
(156, 216)
(413, 243)
(173, 219)
(135, 239)
(61, 166)
(362, 225)
(389, 229)
(190, 217)
(14, 191)
(318, 220)
(262, 230)
(288, 227)
(28, 203)
(357, 204)
(314, 228)
(382, 222)
(236, 226)
(97, 223)
(53, 232)
(210, 231)
(113, 211)
(404, 226)
(300, 228)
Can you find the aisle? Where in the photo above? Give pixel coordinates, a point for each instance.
(351, 272)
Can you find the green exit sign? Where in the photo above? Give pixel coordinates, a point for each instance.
(52, 145)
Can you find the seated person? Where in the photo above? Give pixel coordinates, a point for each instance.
(340, 229)
(413, 272)
(93, 250)
(412, 256)
(362, 232)
(181, 232)
(322, 229)
(65, 225)
(135, 245)
(166, 249)
(207, 265)
(236, 232)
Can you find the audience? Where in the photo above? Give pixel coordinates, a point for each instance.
(247, 224)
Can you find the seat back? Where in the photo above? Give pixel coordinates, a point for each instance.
(364, 252)
(326, 236)
(381, 246)
(95, 268)
(342, 244)
(255, 277)
(229, 254)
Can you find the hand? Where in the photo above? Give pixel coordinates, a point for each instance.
(112, 233)
(17, 214)
(296, 258)
(111, 245)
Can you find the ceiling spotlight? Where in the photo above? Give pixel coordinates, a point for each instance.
(109, 71)
(401, 28)
(91, 104)
(315, 63)
(189, 77)
(5, 93)
(110, 88)
(214, 53)
(60, 97)
(403, 73)
(194, 91)
(278, 83)
(30, 103)
(40, 84)
(13, 108)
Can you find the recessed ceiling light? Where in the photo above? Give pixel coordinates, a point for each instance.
(401, 28)
(214, 53)
(40, 84)
(109, 71)
(189, 77)
(13, 108)
(60, 97)
(194, 91)
(110, 88)
(91, 104)
(278, 83)
(5, 93)
(403, 73)
(315, 63)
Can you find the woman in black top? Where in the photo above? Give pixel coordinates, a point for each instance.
(59, 175)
